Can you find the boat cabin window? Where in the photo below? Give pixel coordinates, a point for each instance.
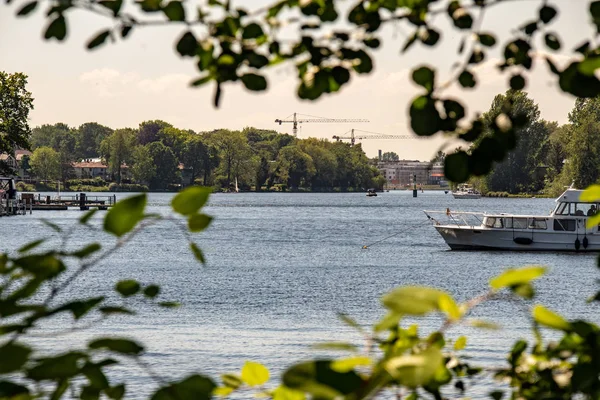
(585, 209)
(565, 224)
(515, 223)
(537, 223)
(563, 209)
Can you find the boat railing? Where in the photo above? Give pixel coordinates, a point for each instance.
(458, 218)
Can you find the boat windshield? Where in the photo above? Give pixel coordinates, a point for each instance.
(577, 209)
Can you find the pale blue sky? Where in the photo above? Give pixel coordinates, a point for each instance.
(143, 78)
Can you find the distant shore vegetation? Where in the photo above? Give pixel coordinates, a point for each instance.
(157, 156)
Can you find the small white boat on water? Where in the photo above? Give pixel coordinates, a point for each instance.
(563, 230)
(465, 191)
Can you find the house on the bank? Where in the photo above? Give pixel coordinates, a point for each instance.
(95, 168)
(18, 162)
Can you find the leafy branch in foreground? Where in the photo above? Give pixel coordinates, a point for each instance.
(233, 44)
(396, 357)
(30, 287)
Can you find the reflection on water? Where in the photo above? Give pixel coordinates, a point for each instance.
(281, 266)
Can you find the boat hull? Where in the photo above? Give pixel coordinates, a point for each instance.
(477, 238)
(466, 195)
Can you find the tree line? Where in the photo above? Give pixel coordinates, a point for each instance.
(160, 155)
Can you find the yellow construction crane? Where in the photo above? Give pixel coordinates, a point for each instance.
(293, 119)
(370, 135)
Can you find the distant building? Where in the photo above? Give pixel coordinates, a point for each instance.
(90, 169)
(400, 173)
(15, 161)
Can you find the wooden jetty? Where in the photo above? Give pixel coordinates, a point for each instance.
(79, 201)
(13, 203)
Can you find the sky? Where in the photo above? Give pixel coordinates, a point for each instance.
(142, 78)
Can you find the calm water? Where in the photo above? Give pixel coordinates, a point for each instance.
(281, 266)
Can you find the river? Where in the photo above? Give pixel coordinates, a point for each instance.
(281, 266)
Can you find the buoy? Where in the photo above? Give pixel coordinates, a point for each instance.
(585, 242)
(447, 211)
(365, 247)
(577, 244)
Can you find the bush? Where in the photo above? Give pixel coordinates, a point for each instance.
(25, 187)
(97, 181)
(127, 187)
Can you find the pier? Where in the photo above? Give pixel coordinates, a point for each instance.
(79, 201)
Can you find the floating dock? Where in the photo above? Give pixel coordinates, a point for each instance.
(79, 201)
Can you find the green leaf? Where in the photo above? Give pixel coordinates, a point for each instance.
(351, 322)
(545, 317)
(197, 253)
(340, 346)
(486, 39)
(13, 356)
(9, 390)
(27, 9)
(552, 41)
(547, 13)
(187, 45)
(497, 394)
(415, 300)
(174, 11)
(460, 343)
(59, 367)
(389, 321)
(195, 387)
(254, 82)
(591, 194)
(87, 250)
(456, 167)
(429, 37)
(222, 391)
(231, 381)
(201, 81)
(87, 216)
(320, 380)
(95, 376)
(113, 5)
(348, 364)
(340, 74)
(79, 308)
(517, 276)
(169, 304)
(115, 392)
(252, 31)
(285, 393)
(115, 310)
(424, 117)
(198, 222)
(151, 291)
(31, 245)
(41, 265)
(466, 79)
(125, 215)
(478, 323)
(51, 225)
(57, 28)
(424, 76)
(127, 287)
(121, 346)
(517, 82)
(190, 200)
(98, 39)
(414, 370)
(254, 374)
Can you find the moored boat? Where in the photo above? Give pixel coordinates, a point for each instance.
(371, 193)
(563, 230)
(465, 191)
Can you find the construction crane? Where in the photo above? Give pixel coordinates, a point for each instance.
(311, 118)
(371, 135)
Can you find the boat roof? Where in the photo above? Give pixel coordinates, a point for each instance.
(570, 196)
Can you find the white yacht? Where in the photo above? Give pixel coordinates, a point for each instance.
(563, 230)
(465, 192)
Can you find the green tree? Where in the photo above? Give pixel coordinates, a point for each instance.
(45, 162)
(518, 172)
(15, 104)
(143, 168)
(234, 153)
(199, 157)
(325, 164)
(390, 156)
(148, 131)
(166, 166)
(295, 167)
(89, 138)
(117, 150)
(175, 139)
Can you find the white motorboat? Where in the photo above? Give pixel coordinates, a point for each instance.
(465, 191)
(563, 230)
